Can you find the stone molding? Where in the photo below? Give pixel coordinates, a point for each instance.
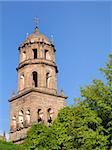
(37, 61)
(35, 90)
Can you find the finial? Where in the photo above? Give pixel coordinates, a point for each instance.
(62, 92)
(13, 94)
(27, 34)
(36, 20)
(52, 39)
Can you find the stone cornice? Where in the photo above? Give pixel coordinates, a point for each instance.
(38, 61)
(36, 42)
(35, 90)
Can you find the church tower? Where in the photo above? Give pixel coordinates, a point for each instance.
(37, 99)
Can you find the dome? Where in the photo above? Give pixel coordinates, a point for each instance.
(36, 37)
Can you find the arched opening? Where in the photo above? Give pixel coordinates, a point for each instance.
(27, 120)
(40, 115)
(45, 54)
(35, 53)
(21, 119)
(22, 81)
(23, 55)
(50, 116)
(35, 79)
(13, 125)
(47, 79)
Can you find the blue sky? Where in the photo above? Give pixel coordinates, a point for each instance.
(82, 34)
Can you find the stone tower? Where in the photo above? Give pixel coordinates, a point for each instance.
(37, 99)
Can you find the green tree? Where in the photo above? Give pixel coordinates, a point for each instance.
(40, 137)
(61, 129)
(34, 137)
(87, 130)
(9, 146)
(79, 128)
(98, 97)
(87, 125)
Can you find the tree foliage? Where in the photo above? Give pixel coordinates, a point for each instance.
(87, 125)
(9, 146)
(98, 97)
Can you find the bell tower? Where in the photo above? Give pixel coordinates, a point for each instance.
(37, 99)
(37, 66)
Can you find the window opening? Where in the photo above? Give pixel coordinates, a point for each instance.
(35, 53)
(35, 79)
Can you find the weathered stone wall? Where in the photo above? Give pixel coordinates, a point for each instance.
(34, 101)
(41, 69)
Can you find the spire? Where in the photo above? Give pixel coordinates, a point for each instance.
(36, 21)
(4, 136)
